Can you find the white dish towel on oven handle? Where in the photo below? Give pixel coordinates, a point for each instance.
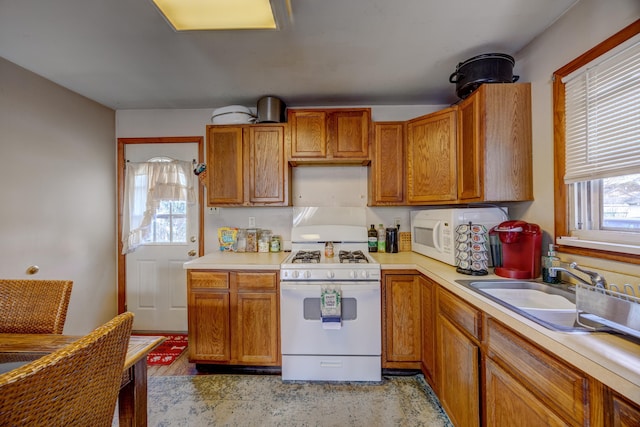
(331, 307)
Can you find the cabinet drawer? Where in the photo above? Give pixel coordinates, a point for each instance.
(252, 281)
(208, 279)
(555, 383)
(462, 314)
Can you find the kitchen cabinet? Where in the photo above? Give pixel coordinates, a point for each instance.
(495, 144)
(623, 412)
(386, 173)
(428, 299)
(246, 166)
(431, 169)
(233, 317)
(329, 136)
(458, 336)
(558, 394)
(402, 324)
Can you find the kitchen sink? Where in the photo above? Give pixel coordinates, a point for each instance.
(552, 306)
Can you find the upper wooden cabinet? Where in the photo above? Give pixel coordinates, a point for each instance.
(246, 166)
(386, 174)
(431, 158)
(329, 135)
(495, 144)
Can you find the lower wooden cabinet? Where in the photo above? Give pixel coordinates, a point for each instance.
(402, 323)
(233, 317)
(559, 390)
(429, 349)
(458, 359)
(509, 403)
(623, 413)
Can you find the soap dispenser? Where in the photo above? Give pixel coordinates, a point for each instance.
(548, 261)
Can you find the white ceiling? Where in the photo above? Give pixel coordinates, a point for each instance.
(122, 53)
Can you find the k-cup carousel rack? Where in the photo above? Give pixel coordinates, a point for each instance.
(471, 249)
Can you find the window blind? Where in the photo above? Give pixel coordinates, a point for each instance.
(602, 109)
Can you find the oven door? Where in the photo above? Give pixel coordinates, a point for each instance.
(302, 331)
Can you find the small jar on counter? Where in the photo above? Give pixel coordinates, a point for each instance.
(276, 245)
(241, 240)
(252, 240)
(264, 242)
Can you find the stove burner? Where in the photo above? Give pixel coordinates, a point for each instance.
(306, 257)
(353, 257)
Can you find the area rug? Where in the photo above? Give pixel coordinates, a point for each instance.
(265, 400)
(167, 352)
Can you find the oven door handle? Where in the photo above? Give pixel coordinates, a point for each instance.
(315, 286)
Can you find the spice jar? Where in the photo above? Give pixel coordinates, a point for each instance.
(328, 249)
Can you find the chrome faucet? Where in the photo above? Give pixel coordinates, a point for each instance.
(595, 279)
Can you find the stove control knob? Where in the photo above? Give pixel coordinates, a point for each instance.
(330, 274)
(353, 274)
(307, 274)
(295, 274)
(365, 274)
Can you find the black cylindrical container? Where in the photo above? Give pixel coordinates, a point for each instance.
(486, 68)
(391, 242)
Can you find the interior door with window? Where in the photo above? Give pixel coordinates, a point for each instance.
(156, 290)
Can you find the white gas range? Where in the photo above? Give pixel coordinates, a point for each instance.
(330, 306)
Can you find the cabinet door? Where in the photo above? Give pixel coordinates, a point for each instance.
(267, 166)
(431, 158)
(225, 165)
(209, 327)
(458, 374)
(255, 329)
(403, 335)
(349, 133)
(470, 150)
(624, 413)
(308, 133)
(427, 290)
(387, 168)
(509, 403)
(506, 128)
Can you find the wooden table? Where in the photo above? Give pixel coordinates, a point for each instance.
(132, 400)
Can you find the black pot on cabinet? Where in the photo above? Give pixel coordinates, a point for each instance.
(486, 68)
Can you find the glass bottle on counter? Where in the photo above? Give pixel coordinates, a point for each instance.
(373, 239)
(382, 237)
(551, 260)
(275, 244)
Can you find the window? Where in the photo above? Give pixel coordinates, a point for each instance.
(156, 198)
(597, 128)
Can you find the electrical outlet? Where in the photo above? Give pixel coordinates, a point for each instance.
(397, 222)
(252, 221)
(214, 211)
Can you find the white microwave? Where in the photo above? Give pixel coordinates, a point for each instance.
(433, 230)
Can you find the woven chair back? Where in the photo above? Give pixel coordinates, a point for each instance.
(34, 306)
(76, 385)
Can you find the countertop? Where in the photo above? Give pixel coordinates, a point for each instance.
(612, 360)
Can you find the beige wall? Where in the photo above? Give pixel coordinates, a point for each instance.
(57, 168)
(587, 24)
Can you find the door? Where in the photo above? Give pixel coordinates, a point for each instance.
(156, 289)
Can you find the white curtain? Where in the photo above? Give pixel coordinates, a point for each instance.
(146, 185)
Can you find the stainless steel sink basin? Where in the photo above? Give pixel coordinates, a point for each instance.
(552, 306)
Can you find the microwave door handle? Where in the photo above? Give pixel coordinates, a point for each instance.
(436, 236)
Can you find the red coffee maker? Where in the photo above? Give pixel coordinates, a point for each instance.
(521, 243)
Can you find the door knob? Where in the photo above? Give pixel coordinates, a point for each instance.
(192, 252)
(193, 239)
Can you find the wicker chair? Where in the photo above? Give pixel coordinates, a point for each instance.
(77, 385)
(34, 306)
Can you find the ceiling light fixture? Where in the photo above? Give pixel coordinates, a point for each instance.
(188, 15)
